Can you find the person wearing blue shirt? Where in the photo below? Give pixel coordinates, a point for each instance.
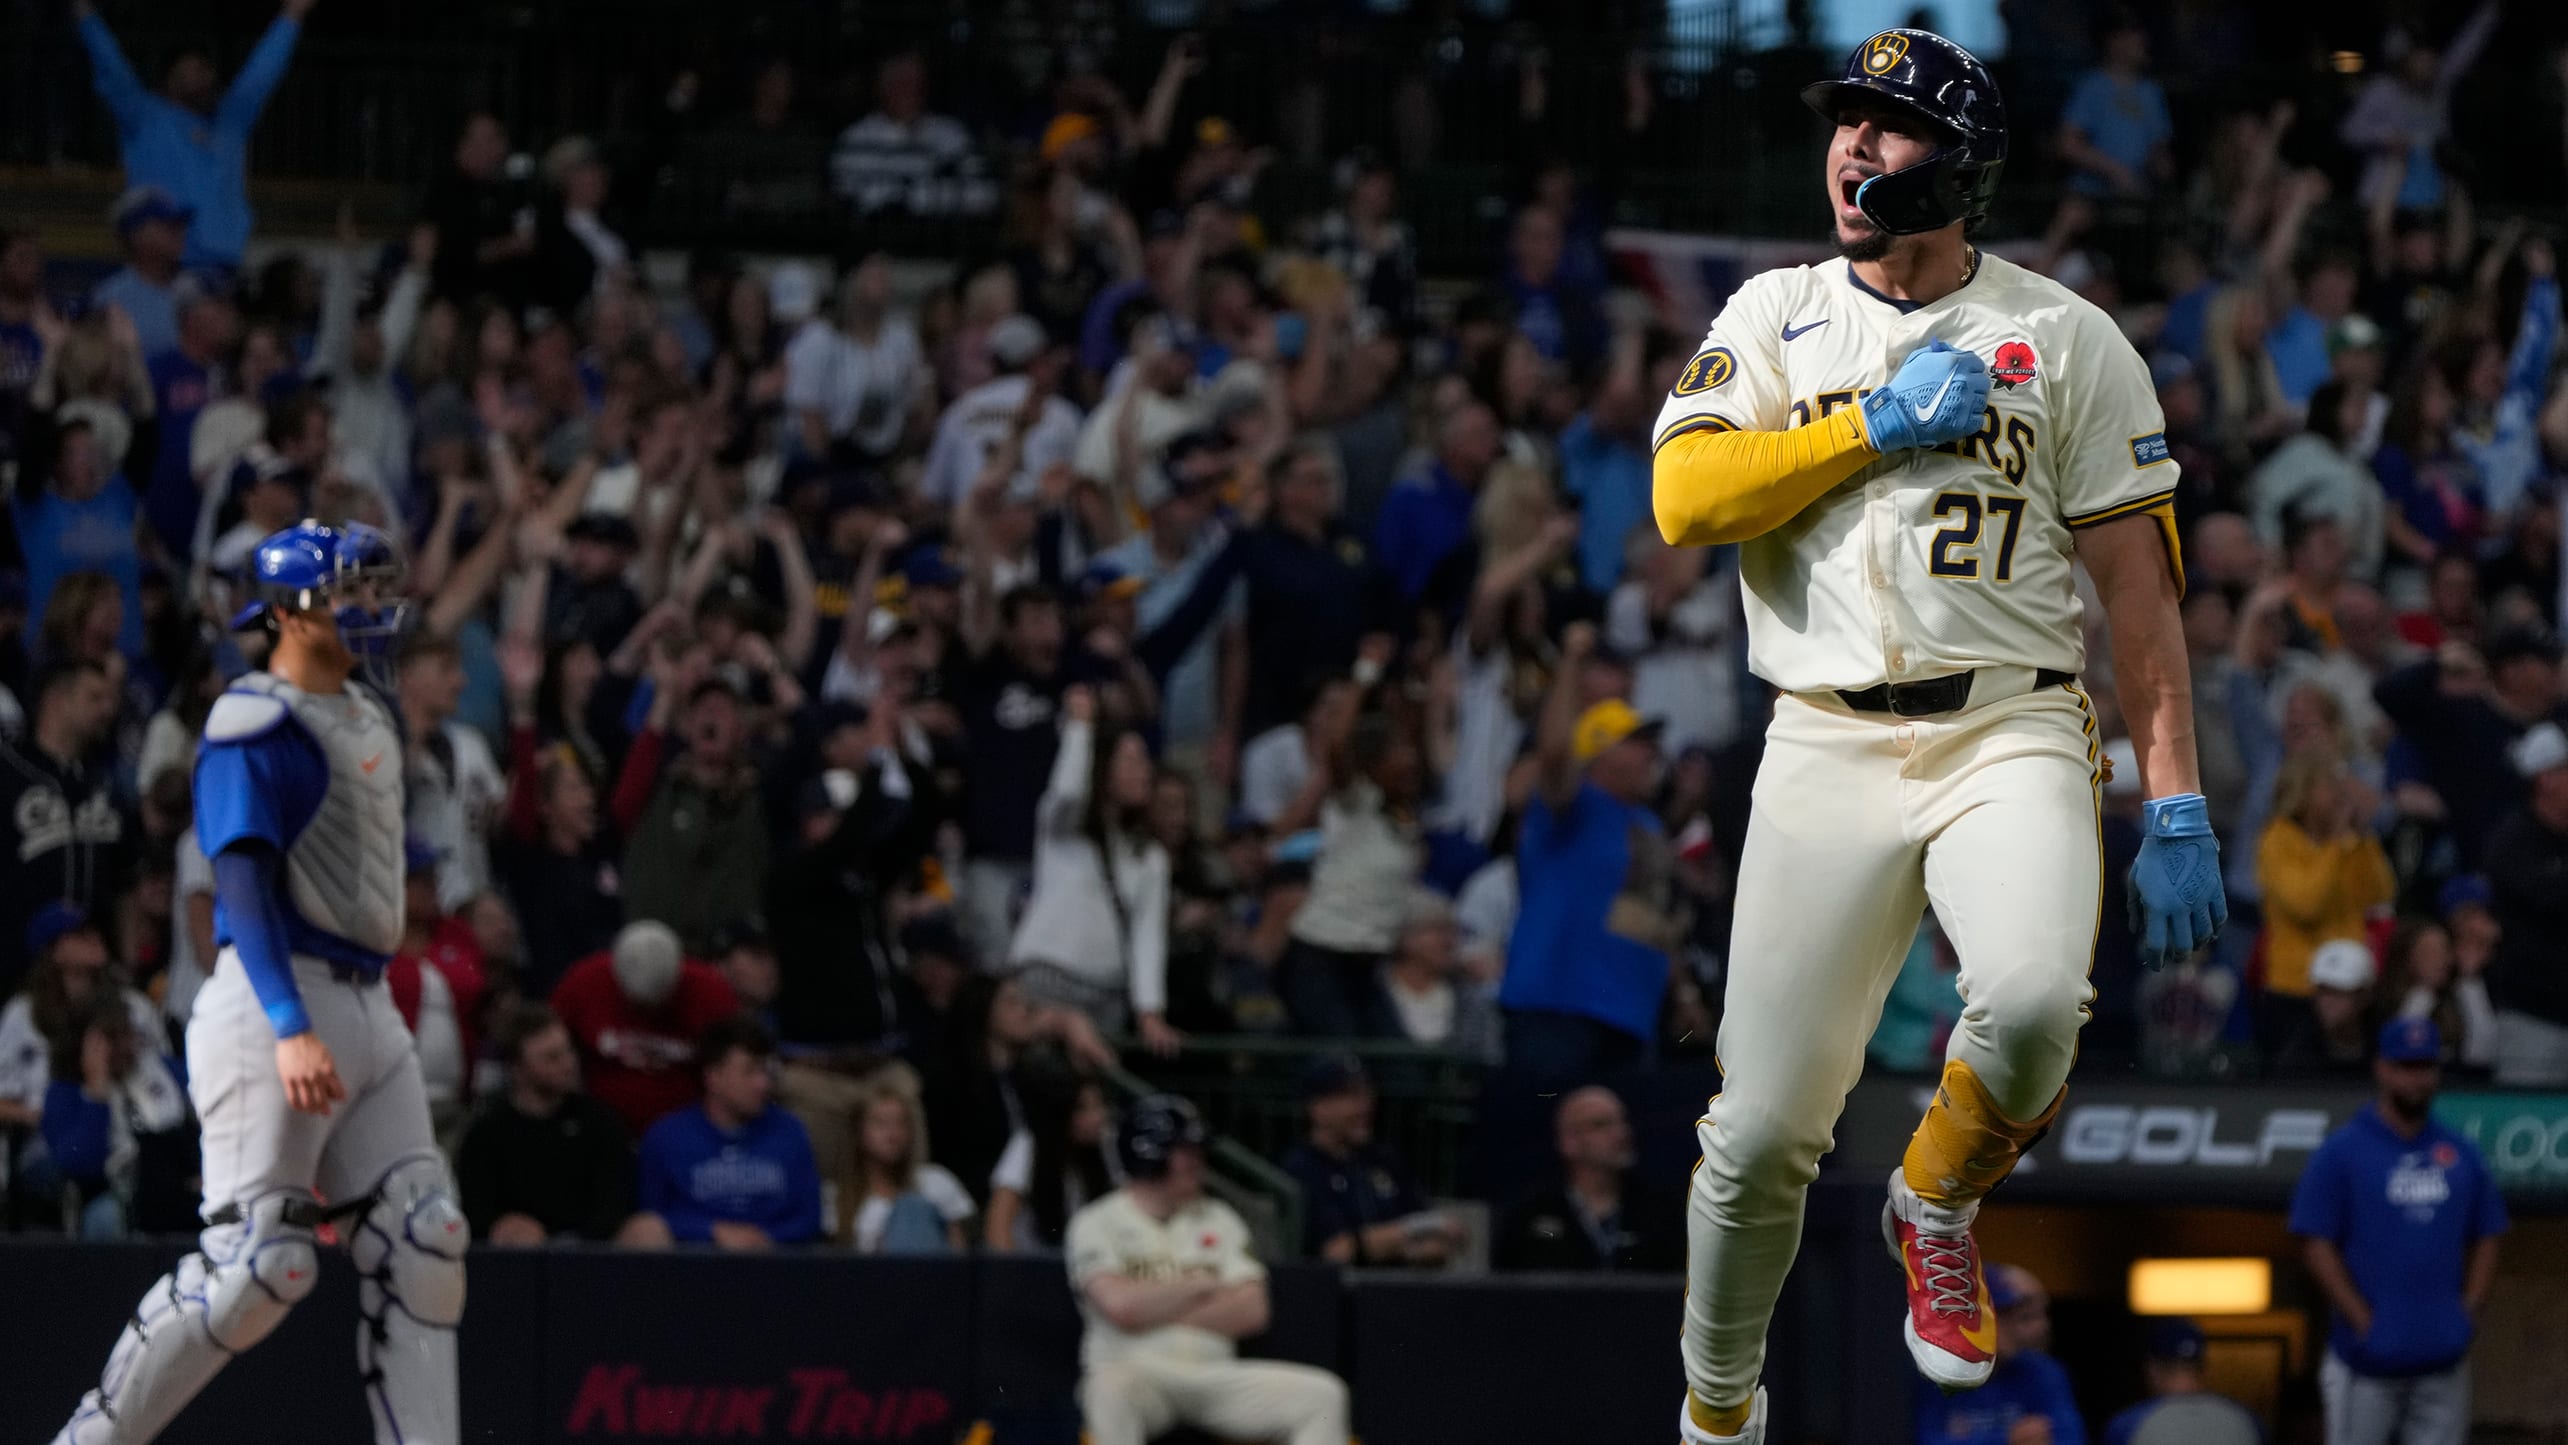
(2181, 1409)
(1605, 453)
(1594, 953)
(184, 380)
(1428, 517)
(2115, 129)
(734, 1171)
(82, 522)
(189, 140)
(151, 225)
(2027, 1400)
(2399, 1218)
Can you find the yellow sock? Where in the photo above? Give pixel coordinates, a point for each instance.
(1718, 1420)
(1964, 1146)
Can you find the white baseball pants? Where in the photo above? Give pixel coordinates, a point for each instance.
(1129, 1401)
(1862, 819)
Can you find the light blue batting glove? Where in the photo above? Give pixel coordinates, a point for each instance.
(2177, 903)
(1939, 394)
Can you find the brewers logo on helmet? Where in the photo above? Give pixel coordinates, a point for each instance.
(1930, 77)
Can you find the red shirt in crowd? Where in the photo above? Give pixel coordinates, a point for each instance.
(640, 1062)
(455, 952)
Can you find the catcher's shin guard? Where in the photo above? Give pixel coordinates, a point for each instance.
(409, 1251)
(249, 1269)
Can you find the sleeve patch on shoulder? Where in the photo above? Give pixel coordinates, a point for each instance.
(238, 717)
(2149, 450)
(1707, 370)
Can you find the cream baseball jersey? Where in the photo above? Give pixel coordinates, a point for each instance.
(1940, 560)
(1205, 1239)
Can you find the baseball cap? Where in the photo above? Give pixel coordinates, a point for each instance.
(140, 204)
(2006, 1287)
(2542, 747)
(793, 292)
(604, 527)
(1330, 1075)
(2353, 331)
(2464, 890)
(1016, 340)
(418, 855)
(53, 923)
(927, 566)
(1066, 130)
(1606, 723)
(2341, 963)
(2413, 1040)
(2176, 1339)
(1107, 580)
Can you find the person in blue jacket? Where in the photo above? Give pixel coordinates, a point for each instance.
(188, 139)
(2399, 1218)
(2027, 1400)
(734, 1171)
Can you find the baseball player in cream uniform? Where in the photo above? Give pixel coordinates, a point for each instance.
(1912, 444)
(1167, 1286)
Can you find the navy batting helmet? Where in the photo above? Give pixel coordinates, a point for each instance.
(1153, 1129)
(1923, 73)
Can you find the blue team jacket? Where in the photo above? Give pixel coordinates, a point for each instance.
(201, 160)
(694, 1174)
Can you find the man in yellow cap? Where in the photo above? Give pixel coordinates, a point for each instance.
(1595, 950)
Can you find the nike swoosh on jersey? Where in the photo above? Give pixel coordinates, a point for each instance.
(1926, 412)
(369, 764)
(1790, 331)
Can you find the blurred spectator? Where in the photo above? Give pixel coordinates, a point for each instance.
(1555, 306)
(2027, 1400)
(1276, 765)
(1429, 515)
(635, 1012)
(863, 382)
(184, 379)
(1363, 237)
(438, 982)
(188, 140)
(2182, 1408)
(831, 893)
(2501, 392)
(2320, 473)
(1314, 595)
(576, 255)
(456, 791)
(82, 520)
(116, 1126)
(1361, 1204)
(2424, 976)
(484, 222)
(1676, 619)
(1001, 1048)
(2527, 866)
(2115, 130)
(542, 1159)
(1052, 1168)
(70, 966)
(2321, 873)
(893, 1201)
(1171, 556)
(2400, 118)
(734, 1171)
(1426, 997)
(1095, 932)
(1593, 952)
(1016, 404)
(2398, 1218)
(2335, 1034)
(1364, 791)
(152, 228)
(1167, 1286)
(1599, 1216)
(556, 847)
(1008, 689)
(2460, 711)
(65, 832)
(695, 827)
(30, 331)
(903, 159)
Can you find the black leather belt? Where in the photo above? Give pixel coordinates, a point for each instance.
(1950, 693)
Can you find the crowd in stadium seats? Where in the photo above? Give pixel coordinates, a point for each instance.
(1193, 623)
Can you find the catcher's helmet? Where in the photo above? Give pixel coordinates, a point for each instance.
(352, 571)
(1922, 72)
(1153, 1129)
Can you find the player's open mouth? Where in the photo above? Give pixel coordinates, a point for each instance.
(1849, 182)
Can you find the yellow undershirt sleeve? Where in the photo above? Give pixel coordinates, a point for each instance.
(1714, 486)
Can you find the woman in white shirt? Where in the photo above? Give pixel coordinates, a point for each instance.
(893, 1201)
(1095, 932)
(1369, 857)
(1052, 1166)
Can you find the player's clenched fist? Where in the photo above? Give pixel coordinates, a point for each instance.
(1939, 394)
(311, 1076)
